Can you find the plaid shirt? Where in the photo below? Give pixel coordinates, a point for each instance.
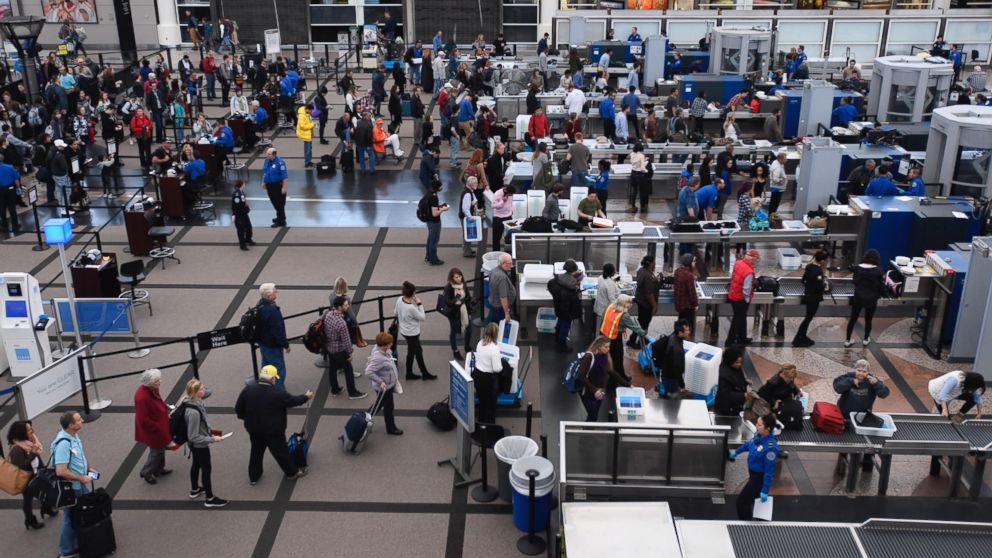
(685, 289)
(698, 107)
(336, 338)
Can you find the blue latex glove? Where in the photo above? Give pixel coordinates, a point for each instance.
(651, 340)
(732, 455)
(764, 497)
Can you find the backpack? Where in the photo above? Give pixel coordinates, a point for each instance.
(536, 224)
(34, 117)
(766, 284)
(570, 379)
(177, 424)
(790, 414)
(250, 326)
(313, 339)
(424, 209)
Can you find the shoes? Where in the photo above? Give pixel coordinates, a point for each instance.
(632, 209)
(278, 224)
(356, 373)
(150, 479)
(457, 354)
(72, 555)
(562, 346)
(165, 472)
(428, 376)
(301, 472)
(412, 376)
(253, 483)
(196, 493)
(866, 342)
(436, 262)
(336, 391)
(33, 523)
(215, 502)
(251, 243)
(803, 342)
(324, 142)
(848, 343)
(243, 247)
(357, 395)
(396, 432)
(308, 165)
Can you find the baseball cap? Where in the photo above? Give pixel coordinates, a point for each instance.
(268, 371)
(59, 143)
(752, 253)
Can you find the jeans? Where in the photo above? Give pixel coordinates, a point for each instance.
(438, 85)
(339, 361)
(579, 177)
(155, 462)
(387, 408)
(278, 199)
(751, 490)
(363, 152)
(210, 86)
(453, 142)
(562, 327)
(592, 406)
(738, 324)
(456, 328)
(415, 74)
(307, 153)
(276, 444)
(159, 126)
(418, 131)
(414, 351)
(67, 539)
(275, 357)
(65, 187)
(496, 315)
(811, 308)
(199, 472)
(433, 238)
(856, 307)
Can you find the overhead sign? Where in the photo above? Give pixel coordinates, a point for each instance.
(49, 386)
(219, 338)
(272, 42)
(96, 316)
(462, 400)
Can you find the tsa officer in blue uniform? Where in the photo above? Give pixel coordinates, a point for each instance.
(882, 185)
(239, 210)
(274, 179)
(916, 187)
(762, 454)
(10, 181)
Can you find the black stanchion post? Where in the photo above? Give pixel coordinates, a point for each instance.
(382, 314)
(530, 417)
(531, 544)
(544, 446)
(483, 492)
(37, 229)
(89, 415)
(296, 54)
(254, 361)
(193, 359)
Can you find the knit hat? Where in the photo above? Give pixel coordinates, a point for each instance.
(268, 372)
(752, 253)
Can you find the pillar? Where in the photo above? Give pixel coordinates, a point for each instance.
(168, 23)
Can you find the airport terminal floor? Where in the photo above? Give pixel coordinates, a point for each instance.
(394, 498)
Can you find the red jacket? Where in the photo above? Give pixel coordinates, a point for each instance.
(209, 65)
(741, 282)
(538, 126)
(141, 126)
(151, 418)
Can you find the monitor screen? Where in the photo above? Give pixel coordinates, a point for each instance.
(15, 309)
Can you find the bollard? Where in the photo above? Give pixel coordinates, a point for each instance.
(531, 544)
(544, 446)
(483, 492)
(37, 227)
(530, 417)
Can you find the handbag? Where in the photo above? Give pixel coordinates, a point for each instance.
(53, 491)
(13, 479)
(506, 377)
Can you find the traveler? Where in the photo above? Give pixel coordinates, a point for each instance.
(272, 327)
(963, 386)
(579, 157)
(409, 315)
(10, 181)
(458, 299)
(566, 291)
(417, 113)
(435, 208)
(640, 180)
(739, 295)
(869, 286)
(502, 212)
(239, 213)
(762, 455)
(859, 178)
(732, 385)
(552, 211)
(381, 372)
(502, 291)
(688, 205)
(275, 177)
(781, 387)
(858, 390)
(684, 291)
(304, 132)
(616, 320)
(151, 424)
(814, 285)
(485, 373)
(607, 290)
(673, 361)
(70, 464)
(589, 208)
(262, 407)
(364, 143)
(596, 370)
(26, 454)
(338, 347)
(778, 181)
(645, 296)
(199, 438)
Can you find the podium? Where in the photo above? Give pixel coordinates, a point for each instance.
(238, 127)
(137, 233)
(98, 280)
(171, 190)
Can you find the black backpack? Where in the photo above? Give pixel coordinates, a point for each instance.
(790, 414)
(250, 326)
(766, 284)
(177, 424)
(536, 225)
(424, 209)
(313, 339)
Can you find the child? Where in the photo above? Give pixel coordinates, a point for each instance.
(601, 181)
(106, 174)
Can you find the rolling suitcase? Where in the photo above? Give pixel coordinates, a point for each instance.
(299, 444)
(827, 417)
(97, 540)
(326, 166)
(359, 426)
(348, 160)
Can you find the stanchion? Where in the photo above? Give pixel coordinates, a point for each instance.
(544, 446)
(382, 315)
(254, 361)
(89, 414)
(139, 351)
(195, 361)
(484, 492)
(530, 418)
(531, 544)
(33, 198)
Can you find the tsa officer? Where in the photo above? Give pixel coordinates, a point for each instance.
(916, 187)
(274, 179)
(761, 457)
(10, 181)
(239, 211)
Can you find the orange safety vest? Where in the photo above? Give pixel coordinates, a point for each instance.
(611, 322)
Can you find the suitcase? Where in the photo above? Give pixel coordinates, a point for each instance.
(791, 414)
(97, 540)
(827, 417)
(359, 426)
(406, 108)
(299, 444)
(327, 165)
(91, 508)
(348, 160)
(440, 416)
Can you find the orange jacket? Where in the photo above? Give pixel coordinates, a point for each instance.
(379, 139)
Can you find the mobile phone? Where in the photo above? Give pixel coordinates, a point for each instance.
(95, 475)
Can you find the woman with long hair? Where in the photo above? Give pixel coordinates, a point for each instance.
(409, 315)
(485, 374)
(595, 370)
(199, 438)
(869, 286)
(458, 299)
(25, 454)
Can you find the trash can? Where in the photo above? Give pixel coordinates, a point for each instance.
(544, 483)
(508, 450)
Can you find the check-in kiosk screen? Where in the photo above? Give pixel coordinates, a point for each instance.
(15, 308)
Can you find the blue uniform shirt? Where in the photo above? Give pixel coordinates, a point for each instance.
(634, 38)
(607, 109)
(706, 196)
(762, 453)
(882, 186)
(601, 181)
(261, 116)
(274, 171)
(844, 114)
(226, 137)
(195, 168)
(775, 89)
(8, 175)
(286, 87)
(687, 201)
(916, 188)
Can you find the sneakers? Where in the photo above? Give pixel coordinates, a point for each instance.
(301, 472)
(395, 432)
(215, 502)
(848, 343)
(357, 395)
(357, 374)
(428, 376)
(866, 342)
(195, 493)
(336, 391)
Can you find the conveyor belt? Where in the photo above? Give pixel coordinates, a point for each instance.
(910, 431)
(810, 435)
(793, 541)
(714, 289)
(977, 432)
(795, 287)
(923, 542)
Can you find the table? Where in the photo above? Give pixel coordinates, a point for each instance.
(683, 412)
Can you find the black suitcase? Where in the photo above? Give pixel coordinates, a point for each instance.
(440, 416)
(97, 540)
(348, 160)
(790, 414)
(91, 508)
(327, 165)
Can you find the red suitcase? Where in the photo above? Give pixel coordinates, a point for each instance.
(827, 417)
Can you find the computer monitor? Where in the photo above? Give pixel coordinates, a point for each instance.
(16, 308)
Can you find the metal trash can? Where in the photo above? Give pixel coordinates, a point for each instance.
(509, 450)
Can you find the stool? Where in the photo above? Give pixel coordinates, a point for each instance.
(205, 210)
(131, 275)
(239, 169)
(159, 235)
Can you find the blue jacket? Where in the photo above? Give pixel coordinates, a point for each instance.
(465, 111)
(226, 137)
(607, 109)
(427, 170)
(844, 114)
(882, 186)
(196, 168)
(916, 188)
(273, 326)
(762, 453)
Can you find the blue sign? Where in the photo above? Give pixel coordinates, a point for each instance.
(58, 231)
(462, 400)
(95, 316)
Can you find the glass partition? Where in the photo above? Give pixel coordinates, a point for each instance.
(902, 102)
(861, 37)
(910, 37)
(971, 172)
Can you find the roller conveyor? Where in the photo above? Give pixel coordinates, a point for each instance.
(910, 539)
(795, 541)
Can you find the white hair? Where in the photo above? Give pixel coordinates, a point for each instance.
(862, 363)
(471, 182)
(150, 376)
(504, 257)
(266, 289)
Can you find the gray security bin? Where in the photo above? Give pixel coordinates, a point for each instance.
(508, 451)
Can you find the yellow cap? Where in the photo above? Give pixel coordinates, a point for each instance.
(270, 371)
